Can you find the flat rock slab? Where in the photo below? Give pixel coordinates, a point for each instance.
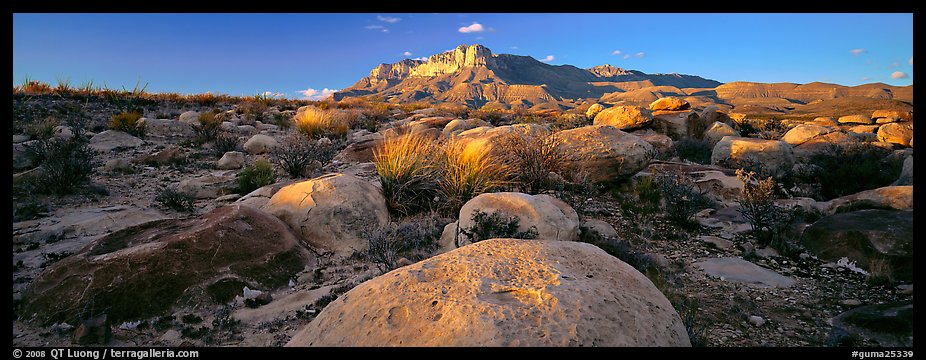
(739, 270)
(889, 324)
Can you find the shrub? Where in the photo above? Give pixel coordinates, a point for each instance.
(30, 209)
(414, 239)
(254, 176)
(844, 170)
(568, 121)
(495, 225)
(42, 129)
(282, 120)
(757, 205)
(681, 199)
(302, 157)
(694, 150)
(532, 157)
(127, 121)
(66, 164)
(207, 125)
(412, 106)
(225, 142)
(317, 123)
(451, 109)
(770, 129)
(175, 200)
(406, 170)
(466, 172)
(880, 272)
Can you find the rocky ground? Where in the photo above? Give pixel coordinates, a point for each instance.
(727, 290)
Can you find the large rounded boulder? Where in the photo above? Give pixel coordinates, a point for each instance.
(503, 292)
(624, 117)
(606, 152)
(670, 103)
(144, 270)
(896, 133)
(550, 217)
(332, 211)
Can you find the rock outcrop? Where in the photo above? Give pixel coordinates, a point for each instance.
(670, 103)
(624, 117)
(551, 217)
(110, 140)
(503, 292)
(896, 133)
(606, 152)
(774, 156)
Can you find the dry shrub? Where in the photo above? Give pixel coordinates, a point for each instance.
(208, 124)
(880, 272)
(451, 109)
(757, 204)
(532, 157)
(303, 157)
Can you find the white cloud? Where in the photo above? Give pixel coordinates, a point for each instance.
(385, 30)
(857, 52)
(375, 27)
(273, 94)
(515, 48)
(549, 58)
(616, 52)
(407, 53)
(421, 58)
(312, 94)
(865, 78)
(899, 75)
(627, 56)
(640, 54)
(474, 28)
(388, 19)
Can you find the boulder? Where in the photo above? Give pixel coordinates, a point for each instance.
(679, 124)
(606, 152)
(332, 212)
(260, 144)
(231, 160)
(163, 128)
(823, 144)
(246, 130)
(62, 132)
(892, 115)
(601, 228)
(670, 103)
(21, 158)
(804, 132)
(865, 237)
(888, 197)
(485, 138)
(159, 158)
(856, 119)
(361, 150)
(717, 131)
(712, 114)
(593, 110)
(209, 186)
(110, 140)
(503, 292)
(189, 118)
(864, 129)
(774, 156)
(551, 217)
(143, 271)
(21, 138)
(260, 197)
(662, 143)
(457, 126)
(906, 173)
(738, 270)
(896, 133)
(888, 325)
(624, 117)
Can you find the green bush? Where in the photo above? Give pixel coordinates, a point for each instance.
(175, 200)
(66, 164)
(680, 199)
(495, 225)
(127, 121)
(255, 176)
(844, 170)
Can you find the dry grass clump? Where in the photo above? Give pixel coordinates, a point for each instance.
(302, 157)
(466, 172)
(532, 157)
(208, 125)
(127, 121)
(317, 123)
(413, 170)
(407, 172)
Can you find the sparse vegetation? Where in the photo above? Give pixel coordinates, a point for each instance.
(224, 142)
(847, 169)
(256, 175)
(466, 172)
(175, 200)
(127, 121)
(757, 205)
(66, 164)
(880, 272)
(303, 157)
(494, 225)
(207, 125)
(680, 199)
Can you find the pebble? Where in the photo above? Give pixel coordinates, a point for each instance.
(851, 302)
(756, 320)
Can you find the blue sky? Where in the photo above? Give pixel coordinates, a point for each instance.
(245, 54)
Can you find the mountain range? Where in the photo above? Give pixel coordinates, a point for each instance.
(474, 76)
